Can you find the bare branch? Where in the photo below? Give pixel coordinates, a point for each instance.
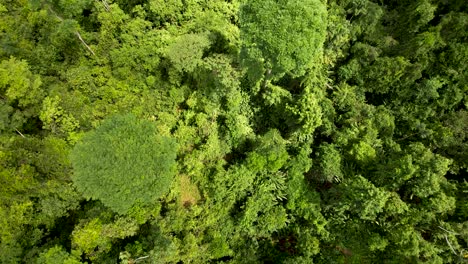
(448, 231)
(84, 43)
(463, 255)
(76, 32)
(141, 258)
(55, 14)
(19, 133)
(105, 4)
(453, 250)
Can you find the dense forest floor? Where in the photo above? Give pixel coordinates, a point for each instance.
(241, 131)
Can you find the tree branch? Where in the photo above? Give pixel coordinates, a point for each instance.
(20, 133)
(453, 250)
(76, 32)
(141, 258)
(447, 230)
(105, 4)
(84, 43)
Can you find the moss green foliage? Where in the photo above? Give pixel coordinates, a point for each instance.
(242, 131)
(124, 163)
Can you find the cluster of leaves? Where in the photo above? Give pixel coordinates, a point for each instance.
(124, 163)
(244, 131)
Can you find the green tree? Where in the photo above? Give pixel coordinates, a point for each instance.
(187, 51)
(124, 163)
(283, 36)
(20, 94)
(36, 194)
(57, 255)
(329, 167)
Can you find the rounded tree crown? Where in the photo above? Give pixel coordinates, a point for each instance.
(124, 163)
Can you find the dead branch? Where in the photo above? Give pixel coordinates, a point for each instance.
(84, 43)
(448, 230)
(76, 32)
(141, 258)
(105, 4)
(450, 245)
(19, 133)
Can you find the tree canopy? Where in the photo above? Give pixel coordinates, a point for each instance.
(124, 163)
(241, 131)
(282, 36)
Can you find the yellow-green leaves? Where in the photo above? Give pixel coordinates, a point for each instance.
(18, 83)
(282, 36)
(57, 255)
(96, 237)
(21, 88)
(55, 119)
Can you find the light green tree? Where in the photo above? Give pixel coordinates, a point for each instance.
(281, 37)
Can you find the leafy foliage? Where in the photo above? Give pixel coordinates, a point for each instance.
(124, 163)
(282, 36)
(307, 131)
